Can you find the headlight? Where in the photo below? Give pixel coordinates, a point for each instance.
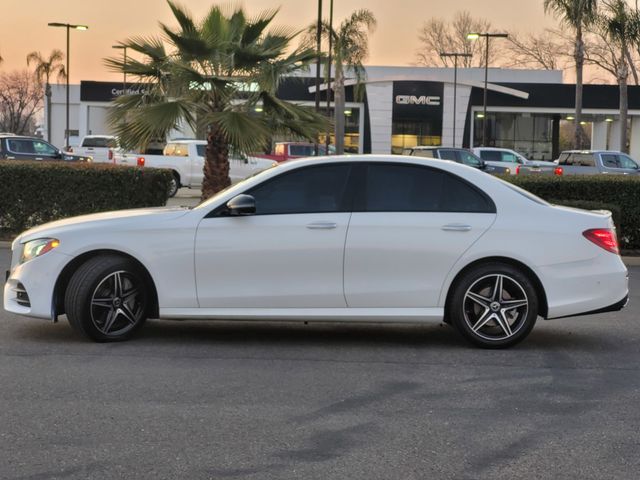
(507, 171)
(38, 247)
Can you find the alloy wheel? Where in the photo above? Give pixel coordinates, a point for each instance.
(495, 307)
(117, 303)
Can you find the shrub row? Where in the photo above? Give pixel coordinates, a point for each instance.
(32, 193)
(617, 193)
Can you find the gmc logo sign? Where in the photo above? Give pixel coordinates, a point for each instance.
(421, 100)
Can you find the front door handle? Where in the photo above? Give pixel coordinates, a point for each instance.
(322, 226)
(456, 227)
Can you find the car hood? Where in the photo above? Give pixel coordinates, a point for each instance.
(116, 219)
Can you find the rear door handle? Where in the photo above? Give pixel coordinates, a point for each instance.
(456, 227)
(321, 226)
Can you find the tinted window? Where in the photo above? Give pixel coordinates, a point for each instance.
(43, 148)
(99, 142)
(20, 146)
(564, 159)
(409, 188)
(509, 157)
(423, 153)
(627, 162)
(581, 159)
(308, 190)
(448, 155)
(302, 150)
(201, 150)
(490, 155)
(469, 159)
(610, 161)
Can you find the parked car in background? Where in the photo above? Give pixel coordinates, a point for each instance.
(185, 158)
(18, 147)
(283, 151)
(375, 238)
(100, 148)
(505, 157)
(589, 162)
(458, 155)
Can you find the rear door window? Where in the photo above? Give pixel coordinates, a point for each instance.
(446, 154)
(610, 160)
(414, 188)
(491, 155)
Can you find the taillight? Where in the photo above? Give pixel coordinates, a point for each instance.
(70, 150)
(140, 161)
(110, 155)
(604, 238)
(558, 171)
(518, 170)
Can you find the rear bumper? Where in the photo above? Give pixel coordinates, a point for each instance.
(616, 307)
(596, 285)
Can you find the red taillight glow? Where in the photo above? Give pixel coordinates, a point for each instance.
(558, 171)
(518, 170)
(141, 161)
(604, 238)
(110, 154)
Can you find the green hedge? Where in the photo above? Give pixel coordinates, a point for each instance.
(617, 193)
(32, 193)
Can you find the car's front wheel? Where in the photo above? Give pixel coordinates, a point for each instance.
(494, 305)
(107, 298)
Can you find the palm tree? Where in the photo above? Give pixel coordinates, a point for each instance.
(216, 74)
(578, 15)
(350, 49)
(45, 69)
(621, 27)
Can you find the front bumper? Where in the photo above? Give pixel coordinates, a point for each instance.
(37, 278)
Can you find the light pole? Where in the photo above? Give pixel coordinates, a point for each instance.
(318, 54)
(486, 36)
(124, 65)
(68, 27)
(455, 84)
(329, 60)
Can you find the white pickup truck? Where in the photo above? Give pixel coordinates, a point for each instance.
(101, 148)
(186, 159)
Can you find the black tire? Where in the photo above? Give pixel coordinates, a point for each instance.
(97, 308)
(486, 319)
(174, 185)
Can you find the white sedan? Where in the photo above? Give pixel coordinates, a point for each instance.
(362, 238)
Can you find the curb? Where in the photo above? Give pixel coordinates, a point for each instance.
(628, 261)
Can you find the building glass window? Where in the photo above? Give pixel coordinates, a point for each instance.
(526, 133)
(407, 134)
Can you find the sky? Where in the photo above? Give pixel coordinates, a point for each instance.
(394, 42)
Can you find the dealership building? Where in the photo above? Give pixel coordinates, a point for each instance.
(401, 107)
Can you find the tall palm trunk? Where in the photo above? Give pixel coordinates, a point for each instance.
(216, 164)
(47, 93)
(623, 73)
(578, 136)
(339, 99)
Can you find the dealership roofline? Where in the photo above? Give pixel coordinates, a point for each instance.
(490, 86)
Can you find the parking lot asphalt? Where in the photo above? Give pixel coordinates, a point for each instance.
(272, 401)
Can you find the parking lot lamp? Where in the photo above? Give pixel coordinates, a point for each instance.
(124, 66)
(68, 27)
(455, 57)
(486, 36)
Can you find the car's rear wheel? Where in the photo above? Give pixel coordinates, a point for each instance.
(174, 185)
(107, 298)
(494, 305)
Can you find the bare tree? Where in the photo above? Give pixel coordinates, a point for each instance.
(437, 35)
(547, 50)
(20, 102)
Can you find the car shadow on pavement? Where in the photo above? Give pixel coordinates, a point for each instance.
(432, 335)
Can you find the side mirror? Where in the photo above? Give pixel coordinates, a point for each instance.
(59, 154)
(241, 205)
